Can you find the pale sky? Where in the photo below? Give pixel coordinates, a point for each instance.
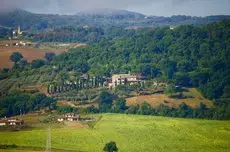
(148, 7)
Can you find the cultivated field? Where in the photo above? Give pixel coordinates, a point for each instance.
(132, 133)
(28, 53)
(192, 97)
(11, 150)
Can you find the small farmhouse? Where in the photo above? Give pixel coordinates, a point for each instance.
(11, 122)
(69, 117)
(15, 43)
(60, 119)
(15, 122)
(3, 122)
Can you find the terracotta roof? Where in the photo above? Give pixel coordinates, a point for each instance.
(3, 121)
(123, 76)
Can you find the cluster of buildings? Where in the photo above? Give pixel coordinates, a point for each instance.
(69, 117)
(73, 117)
(124, 79)
(15, 43)
(15, 39)
(11, 122)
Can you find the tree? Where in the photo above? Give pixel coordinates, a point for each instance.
(119, 106)
(16, 103)
(136, 87)
(37, 63)
(171, 89)
(105, 101)
(145, 109)
(110, 147)
(145, 69)
(15, 57)
(185, 111)
(49, 56)
(22, 63)
(132, 109)
(64, 75)
(170, 68)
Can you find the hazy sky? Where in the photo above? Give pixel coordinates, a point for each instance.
(148, 7)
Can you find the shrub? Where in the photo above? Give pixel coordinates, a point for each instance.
(110, 147)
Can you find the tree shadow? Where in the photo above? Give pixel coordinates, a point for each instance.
(181, 96)
(180, 89)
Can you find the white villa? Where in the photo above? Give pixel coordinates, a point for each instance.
(124, 79)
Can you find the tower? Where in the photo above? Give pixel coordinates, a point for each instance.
(19, 30)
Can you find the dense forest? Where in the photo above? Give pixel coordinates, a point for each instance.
(188, 56)
(69, 34)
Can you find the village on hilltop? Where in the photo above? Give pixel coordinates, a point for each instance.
(16, 39)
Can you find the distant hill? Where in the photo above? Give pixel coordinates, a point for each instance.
(101, 18)
(110, 13)
(186, 20)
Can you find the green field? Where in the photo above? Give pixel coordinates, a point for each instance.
(16, 151)
(132, 133)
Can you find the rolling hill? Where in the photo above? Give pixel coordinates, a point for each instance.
(111, 13)
(100, 18)
(192, 97)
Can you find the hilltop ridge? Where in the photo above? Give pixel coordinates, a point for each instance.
(100, 18)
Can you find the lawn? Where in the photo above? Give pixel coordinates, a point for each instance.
(132, 133)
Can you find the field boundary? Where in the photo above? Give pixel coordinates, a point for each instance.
(26, 148)
(92, 125)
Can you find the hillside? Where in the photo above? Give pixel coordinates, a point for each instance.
(31, 53)
(191, 98)
(187, 56)
(110, 13)
(132, 133)
(96, 77)
(99, 18)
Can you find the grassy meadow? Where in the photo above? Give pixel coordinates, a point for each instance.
(132, 133)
